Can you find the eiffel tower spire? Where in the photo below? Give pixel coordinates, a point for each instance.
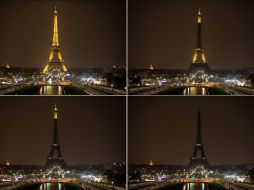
(55, 157)
(199, 68)
(55, 68)
(55, 41)
(199, 53)
(198, 158)
(199, 44)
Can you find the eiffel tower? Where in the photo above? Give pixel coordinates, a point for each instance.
(199, 61)
(55, 157)
(198, 158)
(55, 69)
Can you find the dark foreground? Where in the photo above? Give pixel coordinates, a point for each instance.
(50, 186)
(197, 90)
(48, 90)
(193, 186)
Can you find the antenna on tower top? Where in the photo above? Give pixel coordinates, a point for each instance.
(55, 107)
(199, 5)
(199, 11)
(55, 11)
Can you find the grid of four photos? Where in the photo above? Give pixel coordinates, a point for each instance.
(126, 94)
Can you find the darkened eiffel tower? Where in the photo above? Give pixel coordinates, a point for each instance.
(198, 158)
(199, 59)
(55, 157)
(55, 69)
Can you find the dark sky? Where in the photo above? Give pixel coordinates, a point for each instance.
(91, 129)
(163, 129)
(92, 32)
(163, 33)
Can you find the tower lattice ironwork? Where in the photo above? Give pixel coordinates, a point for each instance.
(55, 69)
(199, 158)
(199, 58)
(55, 157)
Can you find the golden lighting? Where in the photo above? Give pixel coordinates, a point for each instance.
(199, 15)
(60, 56)
(195, 57)
(151, 163)
(199, 19)
(51, 56)
(203, 58)
(7, 66)
(64, 68)
(55, 112)
(7, 163)
(55, 34)
(45, 69)
(55, 54)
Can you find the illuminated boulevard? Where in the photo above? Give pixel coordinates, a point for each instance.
(73, 184)
(75, 89)
(193, 185)
(191, 89)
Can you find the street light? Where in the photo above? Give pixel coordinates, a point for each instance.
(112, 185)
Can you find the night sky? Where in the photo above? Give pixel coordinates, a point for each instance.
(163, 129)
(91, 129)
(163, 33)
(92, 32)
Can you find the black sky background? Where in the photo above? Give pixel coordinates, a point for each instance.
(91, 32)
(91, 129)
(163, 33)
(163, 129)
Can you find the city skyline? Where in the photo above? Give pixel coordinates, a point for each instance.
(163, 33)
(164, 129)
(26, 134)
(92, 33)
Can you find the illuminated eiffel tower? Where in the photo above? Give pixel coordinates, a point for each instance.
(55, 158)
(55, 69)
(198, 158)
(199, 66)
